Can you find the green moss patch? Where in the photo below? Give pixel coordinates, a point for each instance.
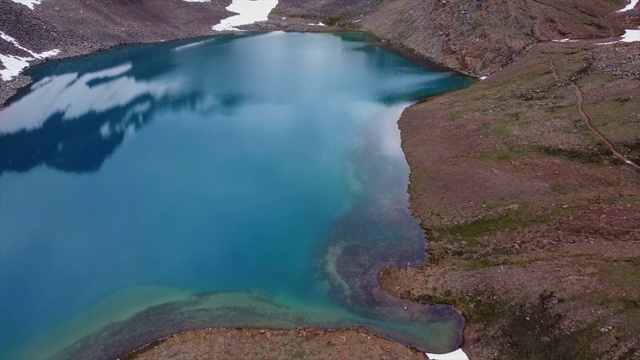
(470, 232)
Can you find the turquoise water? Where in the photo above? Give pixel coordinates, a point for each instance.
(235, 181)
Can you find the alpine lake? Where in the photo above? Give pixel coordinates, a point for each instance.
(250, 180)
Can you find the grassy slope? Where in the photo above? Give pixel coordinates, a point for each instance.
(533, 223)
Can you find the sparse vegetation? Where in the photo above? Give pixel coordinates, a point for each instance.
(510, 219)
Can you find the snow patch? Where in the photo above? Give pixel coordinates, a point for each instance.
(631, 6)
(249, 12)
(628, 36)
(15, 64)
(318, 24)
(15, 43)
(565, 40)
(631, 36)
(47, 54)
(28, 3)
(456, 355)
(482, 77)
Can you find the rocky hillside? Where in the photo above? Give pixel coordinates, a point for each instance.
(477, 37)
(533, 221)
(81, 27)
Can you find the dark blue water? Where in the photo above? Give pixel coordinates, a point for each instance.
(239, 181)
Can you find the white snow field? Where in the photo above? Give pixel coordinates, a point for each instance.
(456, 355)
(249, 12)
(631, 6)
(15, 64)
(28, 3)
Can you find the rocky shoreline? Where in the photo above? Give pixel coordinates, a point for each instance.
(537, 241)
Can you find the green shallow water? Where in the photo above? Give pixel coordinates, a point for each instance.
(234, 181)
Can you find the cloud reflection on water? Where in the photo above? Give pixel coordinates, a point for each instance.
(74, 122)
(266, 140)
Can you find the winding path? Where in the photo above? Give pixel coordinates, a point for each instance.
(587, 119)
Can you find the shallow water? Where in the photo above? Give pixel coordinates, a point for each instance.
(241, 181)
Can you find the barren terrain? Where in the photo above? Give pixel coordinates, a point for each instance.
(533, 222)
(278, 344)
